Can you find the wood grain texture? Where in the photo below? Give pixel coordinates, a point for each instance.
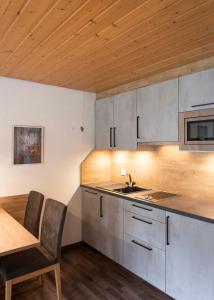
(97, 45)
(15, 206)
(96, 167)
(87, 274)
(198, 66)
(14, 237)
(164, 168)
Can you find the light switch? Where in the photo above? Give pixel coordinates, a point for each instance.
(123, 172)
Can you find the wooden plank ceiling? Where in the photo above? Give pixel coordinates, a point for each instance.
(96, 45)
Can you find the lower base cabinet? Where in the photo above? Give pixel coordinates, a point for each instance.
(91, 218)
(111, 228)
(178, 260)
(102, 226)
(145, 261)
(190, 258)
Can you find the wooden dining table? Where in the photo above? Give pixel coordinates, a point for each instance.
(13, 236)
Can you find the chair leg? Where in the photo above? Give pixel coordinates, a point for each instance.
(8, 290)
(58, 281)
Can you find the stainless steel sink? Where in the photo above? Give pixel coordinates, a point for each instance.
(130, 189)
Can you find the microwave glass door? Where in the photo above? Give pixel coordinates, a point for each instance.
(200, 130)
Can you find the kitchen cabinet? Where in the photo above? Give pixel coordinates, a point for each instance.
(145, 261)
(189, 258)
(196, 91)
(145, 242)
(145, 211)
(91, 217)
(116, 122)
(157, 112)
(111, 227)
(104, 123)
(125, 121)
(150, 231)
(103, 223)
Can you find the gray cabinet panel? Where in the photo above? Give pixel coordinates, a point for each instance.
(102, 223)
(189, 259)
(196, 89)
(148, 264)
(104, 121)
(148, 230)
(145, 210)
(157, 108)
(91, 218)
(125, 121)
(111, 239)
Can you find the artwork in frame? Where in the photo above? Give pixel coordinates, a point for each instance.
(28, 145)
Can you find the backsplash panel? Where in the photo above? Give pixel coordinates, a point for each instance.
(96, 167)
(165, 168)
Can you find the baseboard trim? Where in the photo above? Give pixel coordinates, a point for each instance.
(71, 246)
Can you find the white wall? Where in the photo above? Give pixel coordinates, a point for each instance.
(61, 111)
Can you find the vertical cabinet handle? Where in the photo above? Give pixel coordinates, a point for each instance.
(138, 118)
(114, 136)
(110, 137)
(167, 231)
(101, 206)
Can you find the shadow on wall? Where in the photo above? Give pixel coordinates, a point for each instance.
(73, 225)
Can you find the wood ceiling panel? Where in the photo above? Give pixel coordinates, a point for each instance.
(10, 12)
(159, 67)
(162, 37)
(26, 20)
(55, 18)
(89, 32)
(174, 45)
(97, 45)
(97, 41)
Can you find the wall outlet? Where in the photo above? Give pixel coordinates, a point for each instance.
(123, 172)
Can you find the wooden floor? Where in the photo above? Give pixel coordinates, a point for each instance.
(87, 274)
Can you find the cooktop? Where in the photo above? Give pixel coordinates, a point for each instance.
(155, 196)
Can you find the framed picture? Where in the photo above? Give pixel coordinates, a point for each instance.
(28, 145)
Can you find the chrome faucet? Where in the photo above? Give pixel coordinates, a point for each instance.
(130, 183)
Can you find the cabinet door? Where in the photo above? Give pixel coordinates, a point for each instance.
(196, 89)
(104, 123)
(111, 237)
(91, 218)
(189, 259)
(157, 111)
(125, 121)
(145, 260)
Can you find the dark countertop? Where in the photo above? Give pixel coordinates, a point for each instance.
(201, 209)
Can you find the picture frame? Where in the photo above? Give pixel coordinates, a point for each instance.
(28, 144)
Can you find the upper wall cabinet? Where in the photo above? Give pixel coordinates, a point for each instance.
(104, 123)
(196, 91)
(125, 121)
(116, 122)
(157, 112)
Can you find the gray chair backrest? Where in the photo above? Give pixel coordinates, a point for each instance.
(52, 227)
(33, 212)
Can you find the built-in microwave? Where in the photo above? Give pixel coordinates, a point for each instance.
(196, 130)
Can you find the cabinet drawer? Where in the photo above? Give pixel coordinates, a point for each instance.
(148, 230)
(145, 210)
(145, 261)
